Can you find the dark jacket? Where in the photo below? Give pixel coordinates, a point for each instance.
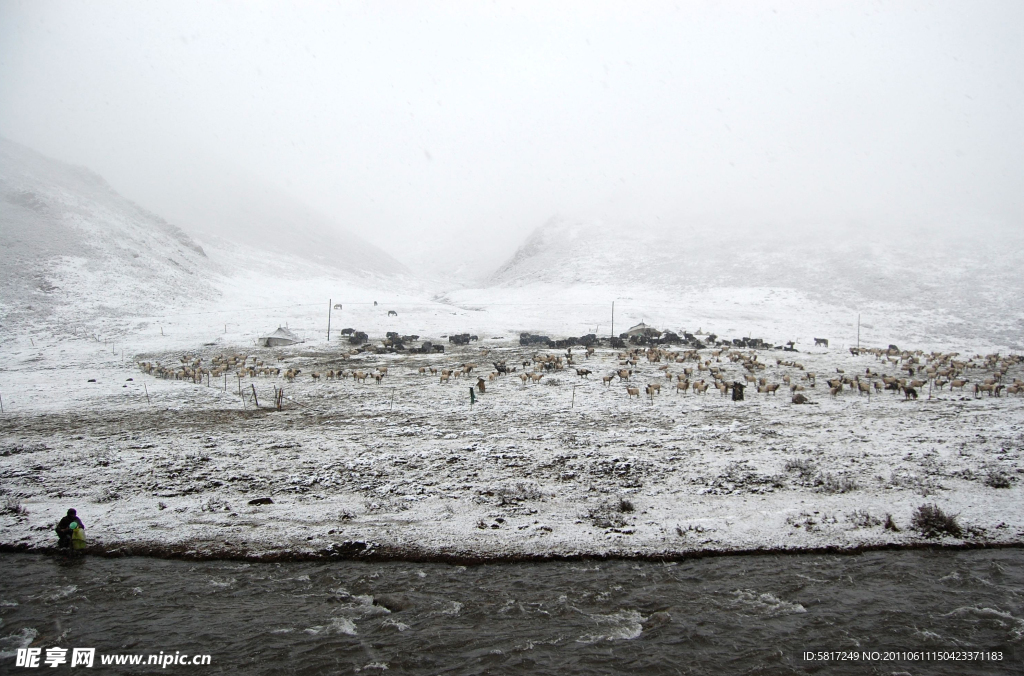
(64, 530)
(65, 523)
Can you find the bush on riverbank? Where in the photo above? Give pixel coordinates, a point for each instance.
(932, 522)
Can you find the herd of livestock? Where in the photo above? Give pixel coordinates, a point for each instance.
(729, 371)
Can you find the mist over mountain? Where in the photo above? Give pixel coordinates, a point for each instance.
(234, 206)
(68, 239)
(71, 244)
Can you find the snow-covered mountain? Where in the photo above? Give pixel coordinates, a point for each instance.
(72, 249)
(70, 241)
(973, 281)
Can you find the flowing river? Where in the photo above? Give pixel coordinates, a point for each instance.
(893, 612)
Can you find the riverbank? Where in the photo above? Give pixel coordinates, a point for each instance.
(373, 553)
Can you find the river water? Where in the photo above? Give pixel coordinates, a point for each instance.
(723, 615)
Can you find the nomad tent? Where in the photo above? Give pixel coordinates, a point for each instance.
(642, 329)
(280, 337)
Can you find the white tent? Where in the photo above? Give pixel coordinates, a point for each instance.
(280, 337)
(642, 329)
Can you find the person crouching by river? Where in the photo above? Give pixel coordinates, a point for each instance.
(71, 532)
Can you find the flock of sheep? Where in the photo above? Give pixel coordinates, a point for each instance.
(190, 367)
(728, 370)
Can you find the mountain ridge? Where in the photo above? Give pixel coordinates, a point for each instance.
(971, 278)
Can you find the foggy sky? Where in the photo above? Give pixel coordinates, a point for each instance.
(453, 129)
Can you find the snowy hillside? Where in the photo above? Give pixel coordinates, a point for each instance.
(967, 286)
(75, 253)
(70, 243)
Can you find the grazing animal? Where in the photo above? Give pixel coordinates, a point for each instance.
(992, 389)
(652, 389)
(821, 341)
(633, 392)
(392, 313)
(524, 377)
(909, 393)
(800, 399)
